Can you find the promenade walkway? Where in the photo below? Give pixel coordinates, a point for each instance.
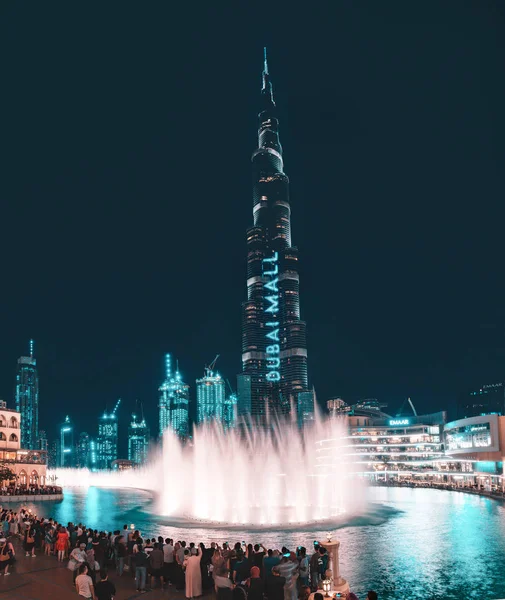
(44, 578)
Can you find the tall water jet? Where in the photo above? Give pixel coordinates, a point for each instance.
(251, 476)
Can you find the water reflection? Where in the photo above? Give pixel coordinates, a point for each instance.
(413, 544)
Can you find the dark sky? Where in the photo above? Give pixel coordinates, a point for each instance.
(127, 131)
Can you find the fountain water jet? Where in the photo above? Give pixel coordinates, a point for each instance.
(277, 477)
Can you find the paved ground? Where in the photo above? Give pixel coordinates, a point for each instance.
(44, 578)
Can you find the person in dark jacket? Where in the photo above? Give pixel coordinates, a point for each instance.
(274, 585)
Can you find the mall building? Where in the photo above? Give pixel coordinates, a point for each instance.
(385, 448)
(29, 466)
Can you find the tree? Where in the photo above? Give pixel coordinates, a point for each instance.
(6, 474)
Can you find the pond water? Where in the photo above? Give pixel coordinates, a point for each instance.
(408, 544)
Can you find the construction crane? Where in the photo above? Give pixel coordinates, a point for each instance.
(213, 363)
(411, 406)
(116, 407)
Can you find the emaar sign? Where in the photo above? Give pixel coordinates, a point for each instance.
(394, 422)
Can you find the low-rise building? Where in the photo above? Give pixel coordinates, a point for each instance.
(28, 466)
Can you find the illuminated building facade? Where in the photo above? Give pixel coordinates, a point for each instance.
(42, 443)
(27, 399)
(173, 402)
(106, 443)
(305, 408)
(85, 452)
(29, 466)
(138, 441)
(488, 399)
(210, 397)
(230, 412)
(274, 349)
(66, 450)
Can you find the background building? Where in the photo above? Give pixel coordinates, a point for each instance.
(305, 408)
(107, 438)
(173, 402)
(274, 348)
(84, 457)
(29, 466)
(230, 411)
(27, 399)
(490, 398)
(42, 443)
(138, 441)
(210, 397)
(66, 453)
(336, 407)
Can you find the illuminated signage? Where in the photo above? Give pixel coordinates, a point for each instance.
(271, 304)
(393, 422)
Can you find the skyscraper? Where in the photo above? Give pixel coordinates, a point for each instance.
(274, 349)
(230, 411)
(210, 397)
(489, 398)
(173, 402)
(27, 399)
(42, 443)
(83, 451)
(138, 440)
(66, 453)
(106, 443)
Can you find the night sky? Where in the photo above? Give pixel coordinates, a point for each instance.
(127, 132)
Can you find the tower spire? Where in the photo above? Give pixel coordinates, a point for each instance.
(266, 89)
(265, 63)
(31, 348)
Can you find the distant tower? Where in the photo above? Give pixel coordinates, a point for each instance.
(210, 397)
(230, 411)
(107, 438)
(66, 453)
(173, 402)
(42, 443)
(27, 399)
(305, 407)
(138, 440)
(83, 451)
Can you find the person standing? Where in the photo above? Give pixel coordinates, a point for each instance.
(30, 542)
(121, 554)
(193, 574)
(274, 585)
(61, 543)
(84, 585)
(140, 559)
(168, 560)
(6, 555)
(105, 589)
(156, 565)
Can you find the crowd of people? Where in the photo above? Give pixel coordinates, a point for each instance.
(28, 490)
(234, 572)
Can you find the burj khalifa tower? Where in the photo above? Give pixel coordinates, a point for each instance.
(274, 348)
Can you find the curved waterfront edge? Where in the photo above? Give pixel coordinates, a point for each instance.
(449, 488)
(31, 498)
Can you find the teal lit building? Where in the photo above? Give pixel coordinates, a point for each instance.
(230, 412)
(138, 440)
(66, 450)
(27, 400)
(86, 452)
(106, 443)
(210, 397)
(173, 402)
